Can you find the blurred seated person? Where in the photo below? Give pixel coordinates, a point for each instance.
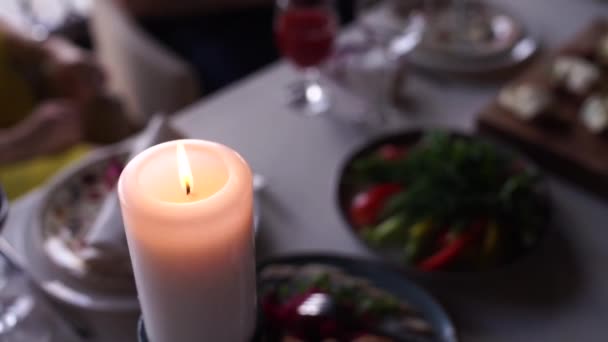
(223, 39)
(52, 102)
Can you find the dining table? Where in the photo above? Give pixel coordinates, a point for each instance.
(558, 292)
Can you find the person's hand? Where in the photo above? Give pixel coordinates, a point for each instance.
(51, 127)
(105, 121)
(72, 72)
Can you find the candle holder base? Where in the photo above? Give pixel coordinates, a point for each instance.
(141, 331)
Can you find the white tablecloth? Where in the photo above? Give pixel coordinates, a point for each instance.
(559, 293)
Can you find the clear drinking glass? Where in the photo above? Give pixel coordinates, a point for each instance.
(24, 317)
(305, 31)
(392, 22)
(17, 309)
(371, 56)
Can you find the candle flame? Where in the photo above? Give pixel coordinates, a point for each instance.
(183, 168)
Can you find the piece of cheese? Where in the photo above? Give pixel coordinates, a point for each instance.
(577, 75)
(594, 113)
(525, 101)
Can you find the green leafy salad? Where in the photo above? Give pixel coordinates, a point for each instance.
(447, 202)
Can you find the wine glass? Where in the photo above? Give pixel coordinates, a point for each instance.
(23, 317)
(392, 22)
(15, 304)
(371, 56)
(305, 31)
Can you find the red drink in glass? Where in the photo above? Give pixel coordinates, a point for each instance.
(306, 35)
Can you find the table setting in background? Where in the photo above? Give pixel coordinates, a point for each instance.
(390, 189)
(42, 18)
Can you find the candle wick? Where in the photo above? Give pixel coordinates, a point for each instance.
(187, 189)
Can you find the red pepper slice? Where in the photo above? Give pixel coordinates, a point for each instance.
(366, 206)
(392, 152)
(450, 252)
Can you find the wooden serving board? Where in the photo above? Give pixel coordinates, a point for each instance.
(568, 149)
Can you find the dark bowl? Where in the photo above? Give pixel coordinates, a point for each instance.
(384, 278)
(411, 137)
(3, 208)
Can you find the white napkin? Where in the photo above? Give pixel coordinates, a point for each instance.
(106, 238)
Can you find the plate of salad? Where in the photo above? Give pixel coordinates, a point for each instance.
(313, 298)
(439, 201)
(323, 298)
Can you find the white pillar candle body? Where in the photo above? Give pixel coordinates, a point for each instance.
(192, 254)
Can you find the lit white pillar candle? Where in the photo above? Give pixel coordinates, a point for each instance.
(187, 208)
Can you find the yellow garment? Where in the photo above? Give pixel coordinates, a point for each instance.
(23, 176)
(17, 100)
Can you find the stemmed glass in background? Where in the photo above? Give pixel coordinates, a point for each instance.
(305, 32)
(392, 23)
(371, 57)
(23, 317)
(15, 303)
(19, 317)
